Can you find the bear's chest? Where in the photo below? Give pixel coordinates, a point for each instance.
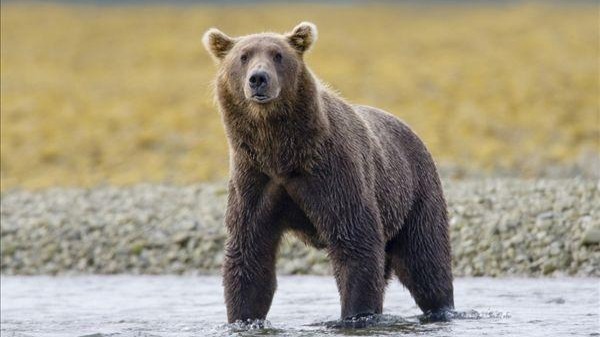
(277, 160)
(278, 149)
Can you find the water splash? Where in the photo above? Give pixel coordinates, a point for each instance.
(450, 315)
(250, 324)
(363, 322)
(257, 327)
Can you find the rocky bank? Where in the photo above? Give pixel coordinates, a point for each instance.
(499, 227)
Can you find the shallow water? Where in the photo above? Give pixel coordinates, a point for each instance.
(303, 306)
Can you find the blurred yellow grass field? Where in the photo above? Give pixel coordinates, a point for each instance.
(120, 95)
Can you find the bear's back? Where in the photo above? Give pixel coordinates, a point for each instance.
(401, 147)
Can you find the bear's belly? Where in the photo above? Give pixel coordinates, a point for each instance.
(294, 219)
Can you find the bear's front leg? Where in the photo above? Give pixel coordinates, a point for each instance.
(344, 212)
(253, 236)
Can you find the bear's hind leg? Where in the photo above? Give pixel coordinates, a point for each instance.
(359, 272)
(420, 256)
(350, 226)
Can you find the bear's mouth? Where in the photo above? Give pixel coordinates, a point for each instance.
(261, 98)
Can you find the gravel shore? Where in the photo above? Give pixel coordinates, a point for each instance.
(499, 227)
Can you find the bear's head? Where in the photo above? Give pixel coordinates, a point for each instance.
(259, 70)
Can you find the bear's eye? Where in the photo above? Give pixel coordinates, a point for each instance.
(277, 57)
(244, 58)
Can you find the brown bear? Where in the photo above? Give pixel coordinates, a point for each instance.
(351, 179)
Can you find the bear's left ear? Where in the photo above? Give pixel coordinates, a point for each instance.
(217, 43)
(303, 36)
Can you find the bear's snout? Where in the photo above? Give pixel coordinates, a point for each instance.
(261, 85)
(258, 81)
(261, 88)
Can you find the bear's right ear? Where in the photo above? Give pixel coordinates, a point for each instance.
(217, 43)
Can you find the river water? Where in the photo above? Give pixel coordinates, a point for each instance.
(303, 306)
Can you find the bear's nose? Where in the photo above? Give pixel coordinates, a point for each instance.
(258, 79)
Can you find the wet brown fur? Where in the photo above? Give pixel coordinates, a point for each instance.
(351, 179)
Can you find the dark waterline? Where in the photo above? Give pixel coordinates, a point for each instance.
(303, 305)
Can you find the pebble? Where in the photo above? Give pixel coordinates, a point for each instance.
(591, 236)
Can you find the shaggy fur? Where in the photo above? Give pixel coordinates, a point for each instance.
(351, 179)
